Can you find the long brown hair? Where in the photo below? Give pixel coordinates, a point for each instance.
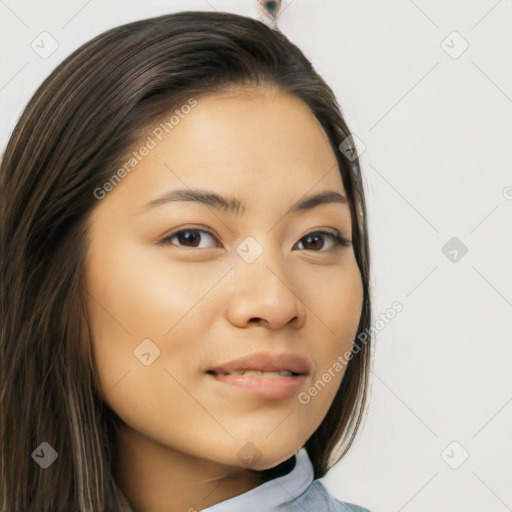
(71, 137)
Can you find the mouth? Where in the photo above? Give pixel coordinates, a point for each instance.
(265, 385)
(273, 365)
(266, 376)
(258, 373)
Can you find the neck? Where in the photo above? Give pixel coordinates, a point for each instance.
(157, 478)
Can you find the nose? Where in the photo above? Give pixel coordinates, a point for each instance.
(264, 294)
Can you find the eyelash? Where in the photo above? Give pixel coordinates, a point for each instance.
(338, 240)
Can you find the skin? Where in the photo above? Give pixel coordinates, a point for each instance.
(203, 305)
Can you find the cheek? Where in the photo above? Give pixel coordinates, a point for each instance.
(135, 296)
(141, 292)
(347, 307)
(334, 300)
(332, 349)
(336, 305)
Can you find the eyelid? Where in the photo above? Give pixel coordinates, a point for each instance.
(336, 237)
(165, 240)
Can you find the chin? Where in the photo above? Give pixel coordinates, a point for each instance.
(259, 457)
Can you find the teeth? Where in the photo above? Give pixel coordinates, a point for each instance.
(257, 373)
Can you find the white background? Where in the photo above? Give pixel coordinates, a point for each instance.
(437, 165)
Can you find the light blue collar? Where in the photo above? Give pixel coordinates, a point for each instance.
(270, 495)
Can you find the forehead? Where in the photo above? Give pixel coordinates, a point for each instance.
(263, 123)
(260, 145)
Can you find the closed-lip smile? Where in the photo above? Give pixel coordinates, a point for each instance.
(265, 362)
(264, 375)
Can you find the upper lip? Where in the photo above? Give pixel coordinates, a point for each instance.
(266, 362)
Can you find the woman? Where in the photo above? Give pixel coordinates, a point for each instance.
(185, 277)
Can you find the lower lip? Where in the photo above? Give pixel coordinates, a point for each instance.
(277, 388)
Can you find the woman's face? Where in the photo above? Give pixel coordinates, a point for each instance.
(180, 288)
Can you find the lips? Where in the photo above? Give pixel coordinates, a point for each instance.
(289, 364)
(264, 375)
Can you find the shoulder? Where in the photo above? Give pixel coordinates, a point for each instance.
(318, 499)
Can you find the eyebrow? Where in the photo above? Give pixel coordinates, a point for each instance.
(234, 205)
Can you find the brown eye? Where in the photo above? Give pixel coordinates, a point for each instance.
(192, 239)
(188, 238)
(315, 240)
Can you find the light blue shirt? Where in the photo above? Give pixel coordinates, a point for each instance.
(295, 491)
